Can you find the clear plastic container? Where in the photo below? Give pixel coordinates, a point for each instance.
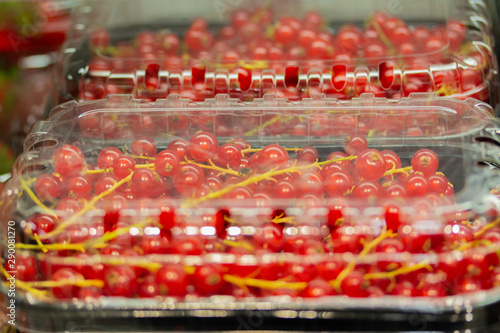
(289, 47)
(273, 226)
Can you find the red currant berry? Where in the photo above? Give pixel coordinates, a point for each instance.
(425, 161)
(416, 185)
(48, 187)
(104, 183)
(123, 166)
(203, 146)
(208, 279)
(68, 161)
(120, 281)
(317, 288)
(79, 186)
(172, 280)
(355, 144)
(370, 164)
(68, 290)
(188, 178)
(229, 154)
(143, 147)
(354, 285)
(107, 157)
(337, 183)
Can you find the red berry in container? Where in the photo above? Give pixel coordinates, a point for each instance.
(120, 281)
(172, 280)
(107, 157)
(416, 185)
(48, 187)
(166, 163)
(188, 178)
(68, 160)
(202, 146)
(338, 183)
(66, 291)
(208, 279)
(123, 166)
(80, 187)
(370, 164)
(229, 154)
(144, 147)
(317, 288)
(425, 161)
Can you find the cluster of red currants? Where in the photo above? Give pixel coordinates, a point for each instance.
(70, 253)
(254, 43)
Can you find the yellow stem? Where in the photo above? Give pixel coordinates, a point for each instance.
(37, 201)
(64, 282)
(348, 158)
(212, 166)
(400, 170)
(251, 180)
(264, 284)
(147, 165)
(23, 285)
(367, 248)
(399, 271)
(486, 227)
(267, 123)
(75, 218)
(244, 245)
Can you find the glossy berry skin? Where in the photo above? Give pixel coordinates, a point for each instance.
(80, 187)
(166, 163)
(416, 185)
(180, 148)
(143, 147)
(337, 183)
(370, 164)
(271, 156)
(367, 189)
(392, 159)
(68, 161)
(188, 178)
(66, 291)
(107, 157)
(425, 161)
(172, 280)
(43, 224)
(317, 288)
(120, 281)
(310, 183)
(203, 146)
(144, 182)
(354, 285)
(355, 144)
(307, 154)
(48, 187)
(269, 237)
(123, 166)
(104, 183)
(208, 279)
(229, 154)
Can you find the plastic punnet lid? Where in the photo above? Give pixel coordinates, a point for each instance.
(292, 48)
(308, 211)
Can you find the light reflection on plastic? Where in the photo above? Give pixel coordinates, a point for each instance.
(291, 231)
(456, 229)
(151, 231)
(350, 231)
(191, 230)
(92, 231)
(234, 231)
(207, 231)
(133, 231)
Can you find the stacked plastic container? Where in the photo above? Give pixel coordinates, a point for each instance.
(257, 170)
